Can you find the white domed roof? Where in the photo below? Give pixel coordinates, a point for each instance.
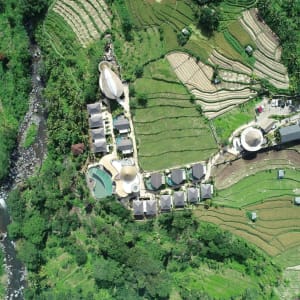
(251, 139)
(128, 173)
(110, 84)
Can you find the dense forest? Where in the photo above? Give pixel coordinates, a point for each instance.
(75, 247)
(14, 76)
(283, 18)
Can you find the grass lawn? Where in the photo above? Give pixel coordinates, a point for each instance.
(258, 187)
(228, 122)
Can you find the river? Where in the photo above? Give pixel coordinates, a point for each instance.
(24, 162)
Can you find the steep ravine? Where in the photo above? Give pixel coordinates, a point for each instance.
(24, 162)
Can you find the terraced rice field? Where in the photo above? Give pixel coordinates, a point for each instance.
(268, 53)
(87, 18)
(225, 175)
(259, 186)
(214, 99)
(169, 130)
(276, 230)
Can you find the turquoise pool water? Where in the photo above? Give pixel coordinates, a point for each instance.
(103, 183)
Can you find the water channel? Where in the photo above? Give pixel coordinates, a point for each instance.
(24, 162)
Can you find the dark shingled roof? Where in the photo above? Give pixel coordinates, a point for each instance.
(124, 144)
(156, 180)
(177, 176)
(165, 202)
(205, 191)
(151, 208)
(138, 208)
(121, 123)
(98, 133)
(94, 108)
(193, 195)
(178, 199)
(290, 133)
(96, 121)
(100, 146)
(198, 171)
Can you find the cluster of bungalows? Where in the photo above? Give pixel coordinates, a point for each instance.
(175, 178)
(174, 189)
(176, 200)
(97, 128)
(122, 129)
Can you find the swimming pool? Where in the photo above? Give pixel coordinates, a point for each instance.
(103, 186)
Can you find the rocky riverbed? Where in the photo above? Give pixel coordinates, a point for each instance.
(24, 163)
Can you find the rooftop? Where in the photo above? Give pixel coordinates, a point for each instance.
(205, 191)
(165, 202)
(156, 180)
(121, 123)
(177, 176)
(138, 208)
(252, 139)
(289, 133)
(193, 195)
(94, 108)
(124, 144)
(99, 146)
(198, 171)
(151, 208)
(110, 84)
(95, 121)
(178, 199)
(98, 133)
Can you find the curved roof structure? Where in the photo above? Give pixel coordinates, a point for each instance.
(252, 139)
(110, 84)
(128, 173)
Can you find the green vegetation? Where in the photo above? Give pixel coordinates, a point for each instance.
(31, 135)
(282, 17)
(14, 74)
(169, 129)
(2, 276)
(228, 122)
(77, 248)
(266, 185)
(275, 230)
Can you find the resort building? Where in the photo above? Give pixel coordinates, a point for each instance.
(110, 84)
(124, 145)
(99, 146)
(150, 207)
(176, 177)
(156, 180)
(193, 195)
(138, 208)
(179, 199)
(97, 134)
(121, 124)
(252, 139)
(165, 203)
(94, 108)
(206, 191)
(290, 133)
(198, 172)
(95, 121)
